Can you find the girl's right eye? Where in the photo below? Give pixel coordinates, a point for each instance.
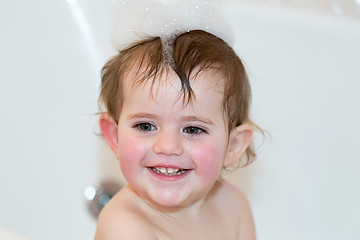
(145, 127)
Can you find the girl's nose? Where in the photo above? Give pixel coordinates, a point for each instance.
(168, 144)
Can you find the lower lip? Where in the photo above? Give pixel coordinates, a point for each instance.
(168, 177)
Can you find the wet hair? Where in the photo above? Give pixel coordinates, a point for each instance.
(187, 55)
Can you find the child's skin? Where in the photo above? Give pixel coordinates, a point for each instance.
(157, 130)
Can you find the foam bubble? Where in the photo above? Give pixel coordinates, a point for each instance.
(138, 19)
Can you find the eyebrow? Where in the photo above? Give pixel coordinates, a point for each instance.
(185, 118)
(197, 119)
(142, 115)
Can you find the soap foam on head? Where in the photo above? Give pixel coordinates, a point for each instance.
(138, 19)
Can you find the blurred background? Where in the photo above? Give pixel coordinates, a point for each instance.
(303, 59)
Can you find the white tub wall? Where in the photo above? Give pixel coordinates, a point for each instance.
(50, 72)
(8, 235)
(346, 8)
(305, 74)
(303, 186)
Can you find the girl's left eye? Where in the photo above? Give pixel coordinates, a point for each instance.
(194, 130)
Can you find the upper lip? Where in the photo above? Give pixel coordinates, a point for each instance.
(168, 166)
(170, 163)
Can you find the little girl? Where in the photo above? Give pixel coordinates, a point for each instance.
(177, 106)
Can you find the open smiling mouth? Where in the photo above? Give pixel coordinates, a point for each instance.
(169, 171)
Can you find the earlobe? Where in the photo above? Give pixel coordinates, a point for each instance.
(109, 129)
(240, 138)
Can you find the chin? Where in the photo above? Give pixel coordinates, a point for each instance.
(169, 199)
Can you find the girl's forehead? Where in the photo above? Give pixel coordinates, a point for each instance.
(165, 95)
(165, 98)
(168, 79)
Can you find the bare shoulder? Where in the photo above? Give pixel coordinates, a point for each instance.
(232, 195)
(118, 221)
(237, 202)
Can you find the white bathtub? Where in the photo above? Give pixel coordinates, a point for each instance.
(8, 235)
(305, 72)
(304, 68)
(51, 54)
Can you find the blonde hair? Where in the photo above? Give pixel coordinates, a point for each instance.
(191, 53)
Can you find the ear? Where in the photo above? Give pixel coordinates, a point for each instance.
(239, 140)
(109, 129)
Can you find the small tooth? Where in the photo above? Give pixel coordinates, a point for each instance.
(162, 170)
(170, 170)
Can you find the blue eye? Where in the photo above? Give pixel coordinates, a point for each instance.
(194, 130)
(145, 126)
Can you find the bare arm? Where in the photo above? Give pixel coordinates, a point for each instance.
(118, 223)
(247, 226)
(238, 206)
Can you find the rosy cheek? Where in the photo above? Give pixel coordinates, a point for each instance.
(209, 161)
(129, 155)
(127, 147)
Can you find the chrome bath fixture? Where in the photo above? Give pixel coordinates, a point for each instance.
(99, 194)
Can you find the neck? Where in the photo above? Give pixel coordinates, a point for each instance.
(188, 211)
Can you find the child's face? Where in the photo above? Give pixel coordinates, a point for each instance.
(156, 134)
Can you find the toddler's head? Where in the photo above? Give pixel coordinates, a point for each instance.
(188, 55)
